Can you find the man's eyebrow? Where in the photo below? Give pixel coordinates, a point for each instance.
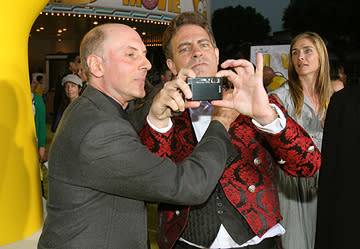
(131, 47)
(183, 44)
(136, 49)
(203, 40)
(189, 43)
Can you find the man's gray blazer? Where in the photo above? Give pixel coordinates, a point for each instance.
(100, 175)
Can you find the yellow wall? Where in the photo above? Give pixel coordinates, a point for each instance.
(20, 195)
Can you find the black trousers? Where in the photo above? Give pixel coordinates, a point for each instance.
(269, 243)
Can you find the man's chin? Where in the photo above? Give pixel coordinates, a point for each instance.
(141, 95)
(204, 73)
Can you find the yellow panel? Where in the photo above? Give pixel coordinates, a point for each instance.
(20, 194)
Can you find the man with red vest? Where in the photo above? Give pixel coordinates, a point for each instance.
(243, 210)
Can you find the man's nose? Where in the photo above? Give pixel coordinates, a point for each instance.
(197, 52)
(146, 64)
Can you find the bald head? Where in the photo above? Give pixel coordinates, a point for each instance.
(114, 58)
(93, 42)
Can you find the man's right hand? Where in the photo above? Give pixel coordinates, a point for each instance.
(170, 98)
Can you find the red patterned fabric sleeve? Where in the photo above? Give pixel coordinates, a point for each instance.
(293, 148)
(157, 142)
(176, 144)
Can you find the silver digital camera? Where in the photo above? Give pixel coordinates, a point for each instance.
(205, 88)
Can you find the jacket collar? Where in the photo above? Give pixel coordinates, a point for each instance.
(103, 101)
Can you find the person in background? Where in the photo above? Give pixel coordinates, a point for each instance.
(243, 210)
(37, 88)
(72, 67)
(40, 124)
(305, 96)
(341, 71)
(337, 217)
(337, 75)
(165, 76)
(72, 86)
(39, 110)
(100, 174)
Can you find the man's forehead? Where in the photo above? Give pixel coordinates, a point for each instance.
(120, 31)
(125, 37)
(183, 31)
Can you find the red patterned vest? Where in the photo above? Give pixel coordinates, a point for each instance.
(249, 182)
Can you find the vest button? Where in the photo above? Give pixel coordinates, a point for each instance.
(257, 161)
(311, 149)
(252, 188)
(177, 212)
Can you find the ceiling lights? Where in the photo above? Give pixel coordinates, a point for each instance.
(148, 38)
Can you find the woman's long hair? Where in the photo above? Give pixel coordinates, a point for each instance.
(323, 84)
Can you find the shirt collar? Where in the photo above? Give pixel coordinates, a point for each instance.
(118, 106)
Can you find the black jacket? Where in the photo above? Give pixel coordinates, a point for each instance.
(338, 208)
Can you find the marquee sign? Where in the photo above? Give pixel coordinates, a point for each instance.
(157, 10)
(166, 7)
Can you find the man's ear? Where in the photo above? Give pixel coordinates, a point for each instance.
(171, 66)
(217, 56)
(95, 64)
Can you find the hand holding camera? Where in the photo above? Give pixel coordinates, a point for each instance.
(171, 99)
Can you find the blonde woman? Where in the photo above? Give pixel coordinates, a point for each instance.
(305, 96)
